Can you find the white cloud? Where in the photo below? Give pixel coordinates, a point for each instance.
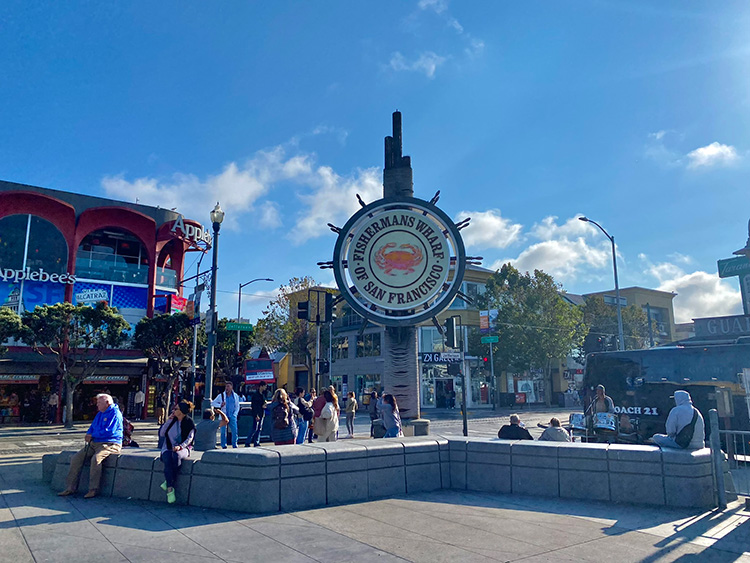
(564, 250)
(439, 6)
(715, 154)
(270, 217)
(427, 63)
(488, 229)
(333, 200)
(699, 294)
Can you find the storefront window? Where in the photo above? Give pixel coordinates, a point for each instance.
(368, 345)
(430, 340)
(366, 384)
(340, 348)
(13, 241)
(46, 247)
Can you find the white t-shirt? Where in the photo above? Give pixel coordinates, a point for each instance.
(140, 396)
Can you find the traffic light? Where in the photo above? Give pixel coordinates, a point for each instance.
(303, 309)
(324, 366)
(329, 308)
(239, 360)
(486, 362)
(451, 332)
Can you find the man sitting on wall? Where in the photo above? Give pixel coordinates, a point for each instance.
(685, 426)
(514, 430)
(104, 437)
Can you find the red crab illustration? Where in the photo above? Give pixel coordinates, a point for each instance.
(404, 260)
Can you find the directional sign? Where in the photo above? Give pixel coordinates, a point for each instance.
(738, 266)
(490, 339)
(243, 327)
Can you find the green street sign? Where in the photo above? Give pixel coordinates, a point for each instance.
(730, 267)
(243, 327)
(490, 339)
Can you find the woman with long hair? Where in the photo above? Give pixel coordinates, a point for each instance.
(351, 411)
(329, 418)
(178, 432)
(284, 425)
(391, 417)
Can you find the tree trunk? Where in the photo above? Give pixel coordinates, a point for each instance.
(548, 395)
(68, 404)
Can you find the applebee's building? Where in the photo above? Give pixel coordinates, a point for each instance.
(60, 246)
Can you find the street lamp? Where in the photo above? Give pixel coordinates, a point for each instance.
(239, 304)
(621, 344)
(217, 216)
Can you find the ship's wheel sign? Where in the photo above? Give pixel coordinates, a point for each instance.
(399, 262)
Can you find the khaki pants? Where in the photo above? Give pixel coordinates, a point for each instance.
(160, 415)
(98, 452)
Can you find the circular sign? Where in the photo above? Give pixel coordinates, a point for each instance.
(399, 261)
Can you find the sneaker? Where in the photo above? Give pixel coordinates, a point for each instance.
(171, 498)
(164, 486)
(91, 494)
(66, 492)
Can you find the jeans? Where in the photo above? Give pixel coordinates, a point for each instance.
(350, 423)
(392, 432)
(171, 467)
(302, 431)
(664, 441)
(233, 427)
(254, 436)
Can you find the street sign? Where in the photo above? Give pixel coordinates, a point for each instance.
(242, 327)
(490, 339)
(738, 266)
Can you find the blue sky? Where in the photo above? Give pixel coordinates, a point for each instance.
(524, 114)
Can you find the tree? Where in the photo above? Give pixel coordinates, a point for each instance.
(77, 335)
(10, 326)
(535, 326)
(280, 329)
(164, 339)
(602, 320)
(225, 352)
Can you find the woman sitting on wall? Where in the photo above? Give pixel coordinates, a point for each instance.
(178, 432)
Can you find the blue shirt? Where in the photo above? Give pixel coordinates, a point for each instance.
(107, 426)
(231, 399)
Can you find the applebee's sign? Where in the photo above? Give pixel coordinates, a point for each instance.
(393, 261)
(191, 232)
(15, 276)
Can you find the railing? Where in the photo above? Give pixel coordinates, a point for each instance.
(736, 445)
(120, 271)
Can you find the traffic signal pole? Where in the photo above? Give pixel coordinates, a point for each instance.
(492, 376)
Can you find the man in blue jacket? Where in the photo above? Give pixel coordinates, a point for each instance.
(104, 437)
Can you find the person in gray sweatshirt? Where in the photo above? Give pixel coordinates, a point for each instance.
(679, 417)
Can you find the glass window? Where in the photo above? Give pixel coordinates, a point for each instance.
(47, 248)
(340, 348)
(112, 254)
(470, 289)
(368, 345)
(430, 340)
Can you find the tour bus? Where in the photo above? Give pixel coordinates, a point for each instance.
(640, 383)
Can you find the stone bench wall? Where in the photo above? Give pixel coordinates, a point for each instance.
(288, 478)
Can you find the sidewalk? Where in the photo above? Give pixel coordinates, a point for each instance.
(36, 525)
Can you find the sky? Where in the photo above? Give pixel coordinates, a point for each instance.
(525, 115)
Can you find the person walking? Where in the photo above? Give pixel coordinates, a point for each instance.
(103, 438)
(327, 424)
(391, 417)
(205, 431)
(317, 406)
(283, 414)
(304, 415)
(139, 399)
(52, 403)
(229, 402)
(257, 411)
(372, 410)
(161, 405)
(178, 433)
(351, 411)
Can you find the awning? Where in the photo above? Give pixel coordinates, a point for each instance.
(9, 378)
(111, 379)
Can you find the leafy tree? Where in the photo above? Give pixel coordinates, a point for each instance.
(225, 352)
(164, 339)
(280, 329)
(77, 335)
(10, 326)
(602, 320)
(535, 326)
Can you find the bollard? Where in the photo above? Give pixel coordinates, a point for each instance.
(718, 458)
(421, 426)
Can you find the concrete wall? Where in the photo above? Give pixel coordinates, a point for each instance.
(287, 478)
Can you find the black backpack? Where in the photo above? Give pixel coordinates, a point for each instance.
(685, 435)
(305, 411)
(280, 417)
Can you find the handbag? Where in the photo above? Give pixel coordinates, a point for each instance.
(685, 435)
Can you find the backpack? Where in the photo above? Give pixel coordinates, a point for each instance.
(685, 435)
(305, 411)
(280, 417)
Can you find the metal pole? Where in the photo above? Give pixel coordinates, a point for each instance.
(317, 360)
(464, 414)
(492, 376)
(617, 295)
(239, 307)
(208, 395)
(717, 456)
(650, 328)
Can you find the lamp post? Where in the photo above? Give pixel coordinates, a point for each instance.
(621, 338)
(239, 304)
(217, 216)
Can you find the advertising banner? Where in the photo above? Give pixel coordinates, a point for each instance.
(487, 321)
(34, 294)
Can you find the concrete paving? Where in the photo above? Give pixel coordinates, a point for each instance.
(36, 525)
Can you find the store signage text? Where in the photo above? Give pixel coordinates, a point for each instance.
(647, 411)
(191, 232)
(441, 357)
(723, 326)
(15, 276)
(92, 296)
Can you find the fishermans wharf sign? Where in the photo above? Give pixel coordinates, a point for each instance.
(393, 261)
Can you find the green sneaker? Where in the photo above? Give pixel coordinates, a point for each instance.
(164, 486)
(171, 497)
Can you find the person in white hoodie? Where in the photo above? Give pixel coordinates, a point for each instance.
(680, 417)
